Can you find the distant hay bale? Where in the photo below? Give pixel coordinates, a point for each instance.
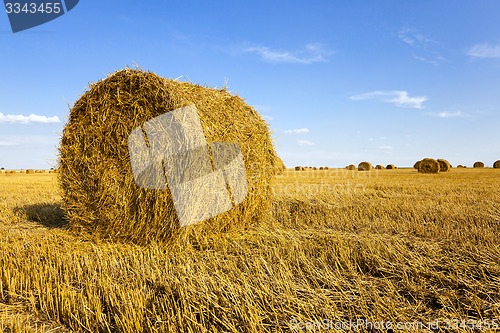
(325, 168)
(415, 166)
(314, 168)
(365, 166)
(496, 165)
(444, 165)
(391, 166)
(321, 168)
(379, 167)
(460, 166)
(351, 167)
(478, 165)
(428, 165)
(30, 171)
(99, 191)
(298, 168)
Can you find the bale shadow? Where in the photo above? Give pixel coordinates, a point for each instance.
(48, 215)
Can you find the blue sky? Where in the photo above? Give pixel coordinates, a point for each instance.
(339, 82)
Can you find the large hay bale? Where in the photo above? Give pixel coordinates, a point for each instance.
(280, 166)
(496, 165)
(351, 167)
(391, 167)
(100, 194)
(478, 165)
(444, 165)
(428, 165)
(365, 166)
(379, 167)
(415, 166)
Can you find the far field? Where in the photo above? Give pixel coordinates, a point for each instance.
(342, 247)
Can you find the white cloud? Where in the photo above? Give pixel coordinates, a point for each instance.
(297, 131)
(312, 53)
(445, 114)
(396, 97)
(305, 143)
(32, 118)
(484, 51)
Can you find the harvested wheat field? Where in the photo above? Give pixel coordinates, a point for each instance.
(340, 247)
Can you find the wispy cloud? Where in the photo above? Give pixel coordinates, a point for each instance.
(445, 114)
(413, 37)
(484, 50)
(297, 131)
(32, 118)
(423, 47)
(399, 98)
(311, 53)
(386, 149)
(7, 143)
(305, 143)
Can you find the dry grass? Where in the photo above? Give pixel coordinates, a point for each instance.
(341, 245)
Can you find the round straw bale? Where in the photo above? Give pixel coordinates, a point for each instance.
(30, 171)
(280, 166)
(460, 166)
(351, 167)
(428, 165)
(444, 165)
(379, 167)
(496, 165)
(365, 166)
(321, 168)
(415, 166)
(479, 165)
(298, 168)
(100, 194)
(391, 166)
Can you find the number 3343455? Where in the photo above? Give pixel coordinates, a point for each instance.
(33, 8)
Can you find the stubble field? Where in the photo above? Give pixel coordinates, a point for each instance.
(343, 249)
